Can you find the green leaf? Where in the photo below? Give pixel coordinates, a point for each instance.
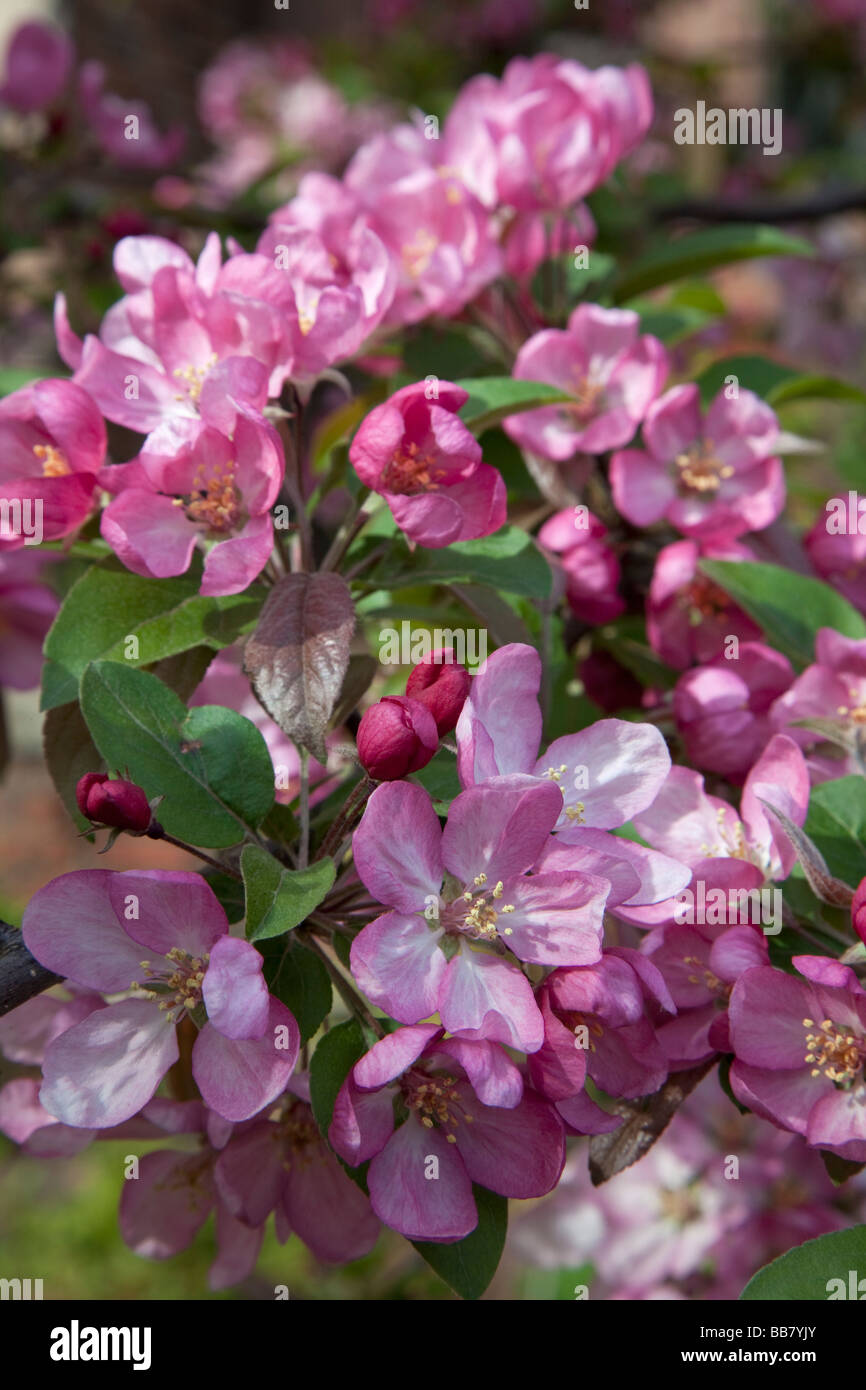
(699, 252)
(109, 604)
(277, 898)
(492, 398)
(468, 1265)
(211, 765)
(789, 607)
(776, 383)
(13, 378)
(837, 824)
(440, 779)
(299, 979)
(804, 1273)
(509, 560)
(840, 1170)
(335, 1055)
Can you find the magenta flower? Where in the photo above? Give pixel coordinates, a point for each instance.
(588, 562)
(421, 458)
(688, 616)
(184, 338)
(706, 832)
(93, 927)
(530, 238)
(547, 133)
(27, 610)
(138, 146)
(52, 445)
(606, 774)
(613, 374)
(597, 1023)
(443, 949)
(834, 687)
(417, 1096)
(712, 479)
(840, 559)
(438, 234)
(800, 1048)
(38, 63)
(723, 709)
(279, 1162)
(195, 484)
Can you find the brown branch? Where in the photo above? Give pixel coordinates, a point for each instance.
(809, 209)
(21, 975)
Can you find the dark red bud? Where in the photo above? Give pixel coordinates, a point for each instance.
(120, 804)
(441, 684)
(858, 910)
(610, 685)
(395, 737)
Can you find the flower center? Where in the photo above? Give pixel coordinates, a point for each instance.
(856, 713)
(574, 811)
(732, 843)
(474, 914)
(179, 992)
(54, 464)
(587, 394)
(436, 1101)
(418, 253)
(576, 1022)
(192, 378)
(215, 503)
(706, 977)
(835, 1051)
(411, 471)
(700, 470)
(704, 599)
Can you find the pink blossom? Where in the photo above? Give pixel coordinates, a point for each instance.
(92, 927)
(588, 561)
(38, 63)
(613, 374)
(529, 238)
(688, 616)
(442, 684)
(722, 709)
(198, 484)
(52, 445)
(450, 949)
(422, 459)
(598, 1022)
(834, 688)
(28, 607)
(713, 478)
(800, 1046)
(438, 233)
(547, 133)
(840, 560)
(459, 1102)
(123, 128)
(396, 736)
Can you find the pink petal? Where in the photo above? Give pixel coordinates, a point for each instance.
(400, 870)
(234, 992)
(483, 997)
(238, 1078)
(499, 827)
(440, 1208)
(397, 963)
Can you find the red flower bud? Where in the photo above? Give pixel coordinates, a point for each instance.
(858, 910)
(395, 737)
(609, 684)
(116, 803)
(441, 684)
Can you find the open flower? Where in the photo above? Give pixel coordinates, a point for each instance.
(93, 927)
(417, 1097)
(422, 459)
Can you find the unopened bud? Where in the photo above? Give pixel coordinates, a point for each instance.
(441, 684)
(395, 737)
(120, 804)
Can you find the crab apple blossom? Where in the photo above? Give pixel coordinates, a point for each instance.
(800, 1051)
(113, 802)
(612, 373)
(52, 446)
(194, 483)
(688, 617)
(39, 60)
(442, 684)
(725, 709)
(547, 132)
(463, 905)
(396, 736)
(279, 1162)
(440, 237)
(421, 458)
(108, 117)
(840, 559)
(27, 609)
(712, 478)
(608, 683)
(598, 1022)
(93, 926)
(588, 562)
(833, 687)
(858, 915)
(606, 774)
(416, 1095)
(529, 238)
